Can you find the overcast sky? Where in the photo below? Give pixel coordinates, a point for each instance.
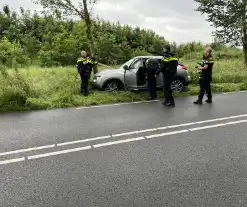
(176, 20)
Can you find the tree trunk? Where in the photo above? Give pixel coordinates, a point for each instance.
(245, 49)
(89, 28)
(244, 32)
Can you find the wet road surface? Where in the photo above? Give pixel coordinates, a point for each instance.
(140, 154)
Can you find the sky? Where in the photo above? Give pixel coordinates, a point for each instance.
(176, 20)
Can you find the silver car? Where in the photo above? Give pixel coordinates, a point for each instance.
(132, 76)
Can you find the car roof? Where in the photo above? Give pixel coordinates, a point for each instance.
(149, 56)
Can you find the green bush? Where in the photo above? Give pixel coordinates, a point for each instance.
(14, 90)
(11, 54)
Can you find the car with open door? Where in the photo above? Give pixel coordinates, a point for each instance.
(132, 76)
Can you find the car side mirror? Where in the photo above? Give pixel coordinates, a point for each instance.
(125, 67)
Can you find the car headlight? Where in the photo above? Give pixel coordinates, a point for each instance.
(95, 78)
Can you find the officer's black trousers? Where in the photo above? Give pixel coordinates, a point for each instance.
(168, 78)
(84, 83)
(205, 87)
(152, 86)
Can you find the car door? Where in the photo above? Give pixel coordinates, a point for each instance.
(130, 76)
(159, 79)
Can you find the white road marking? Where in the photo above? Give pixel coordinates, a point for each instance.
(196, 129)
(147, 130)
(125, 134)
(27, 150)
(207, 127)
(167, 134)
(121, 134)
(232, 92)
(139, 102)
(12, 161)
(218, 125)
(134, 132)
(58, 152)
(181, 125)
(162, 128)
(221, 119)
(83, 140)
(117, 104)
(118, 142)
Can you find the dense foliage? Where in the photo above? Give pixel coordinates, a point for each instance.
(229, 19)
(50, 40)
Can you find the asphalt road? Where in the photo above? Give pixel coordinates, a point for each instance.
(140, 154)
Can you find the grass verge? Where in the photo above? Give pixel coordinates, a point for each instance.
(48, 88)
(61, 100)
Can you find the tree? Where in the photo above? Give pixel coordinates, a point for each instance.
(11, 54)
(229, 19)
(68, 8)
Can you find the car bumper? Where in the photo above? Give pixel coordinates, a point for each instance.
(187, 80)
(96, 84)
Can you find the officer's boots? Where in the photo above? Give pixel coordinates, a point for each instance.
(169, 103)
(198, 102)
(209, 100)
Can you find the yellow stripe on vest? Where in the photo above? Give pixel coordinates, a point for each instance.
(169, 59)
(81, 60)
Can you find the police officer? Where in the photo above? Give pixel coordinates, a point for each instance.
(152, 66)
(169, 69)
(205, 69)
(85, 66)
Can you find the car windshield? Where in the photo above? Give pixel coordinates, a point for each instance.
(127, 63)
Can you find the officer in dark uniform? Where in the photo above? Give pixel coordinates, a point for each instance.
(169, 69)
(205, 69)
(85, 66)
(152, 66)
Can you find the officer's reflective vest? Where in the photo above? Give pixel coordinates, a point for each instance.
(171, 63)
(208, 61)
(204, 62)
(169, 59)
(86, 60)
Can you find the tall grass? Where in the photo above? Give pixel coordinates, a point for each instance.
(45, 88)
(224, 71)
(221, 53)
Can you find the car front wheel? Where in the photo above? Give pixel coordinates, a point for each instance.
(177, 85)
(112, 86)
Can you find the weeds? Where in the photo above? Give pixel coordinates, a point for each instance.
(58, 87)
